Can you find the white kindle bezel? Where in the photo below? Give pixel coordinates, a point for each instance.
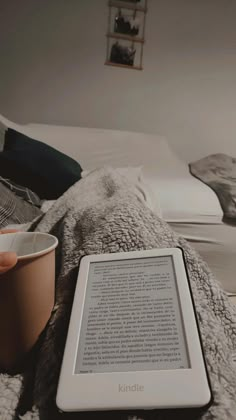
(152, 389)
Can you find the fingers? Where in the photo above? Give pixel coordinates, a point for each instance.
(7, 261)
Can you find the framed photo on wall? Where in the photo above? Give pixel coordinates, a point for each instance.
(124, 52)
(125, 35)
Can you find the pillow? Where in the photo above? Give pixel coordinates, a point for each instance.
(183, 198)
(38, 166)
(14, 210)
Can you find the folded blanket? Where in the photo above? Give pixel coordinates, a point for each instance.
(219, 173)
(102, 214)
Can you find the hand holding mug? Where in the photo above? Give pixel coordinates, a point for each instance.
(27, 292)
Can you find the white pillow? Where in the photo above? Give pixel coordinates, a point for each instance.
(184, 198)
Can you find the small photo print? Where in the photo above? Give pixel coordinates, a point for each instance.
(122, 54)
(128, 24)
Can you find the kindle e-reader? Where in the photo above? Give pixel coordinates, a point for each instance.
(133, 339)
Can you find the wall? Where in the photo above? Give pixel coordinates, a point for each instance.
(52, 71)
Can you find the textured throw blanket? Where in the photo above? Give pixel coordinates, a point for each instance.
(99, 214)
(219, 173)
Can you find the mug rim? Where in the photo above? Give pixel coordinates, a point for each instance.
(34, 254)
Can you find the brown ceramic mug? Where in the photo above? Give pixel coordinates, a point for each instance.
(27, 293)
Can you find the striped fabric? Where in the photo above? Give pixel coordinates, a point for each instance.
(14, 210)
(22, 192)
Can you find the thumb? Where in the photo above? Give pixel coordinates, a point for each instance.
(7, 261)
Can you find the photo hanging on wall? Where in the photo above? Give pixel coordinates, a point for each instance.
(125, 34)
(122, 54)
(127, 23)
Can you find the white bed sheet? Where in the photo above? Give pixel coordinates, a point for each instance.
(216, 243)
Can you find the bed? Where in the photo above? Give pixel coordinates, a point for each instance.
(190, 207)
(149, 186)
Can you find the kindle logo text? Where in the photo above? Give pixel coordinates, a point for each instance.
(131, 388)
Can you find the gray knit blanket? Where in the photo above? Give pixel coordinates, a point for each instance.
(99, 214)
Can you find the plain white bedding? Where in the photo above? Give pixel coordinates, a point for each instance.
(183, 198)
(187, 204)
(216, 243)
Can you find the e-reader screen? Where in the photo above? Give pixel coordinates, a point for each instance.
(132, 318)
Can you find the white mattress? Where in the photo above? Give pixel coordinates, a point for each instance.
(216, 243)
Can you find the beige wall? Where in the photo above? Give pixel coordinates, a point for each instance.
(52, 71)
